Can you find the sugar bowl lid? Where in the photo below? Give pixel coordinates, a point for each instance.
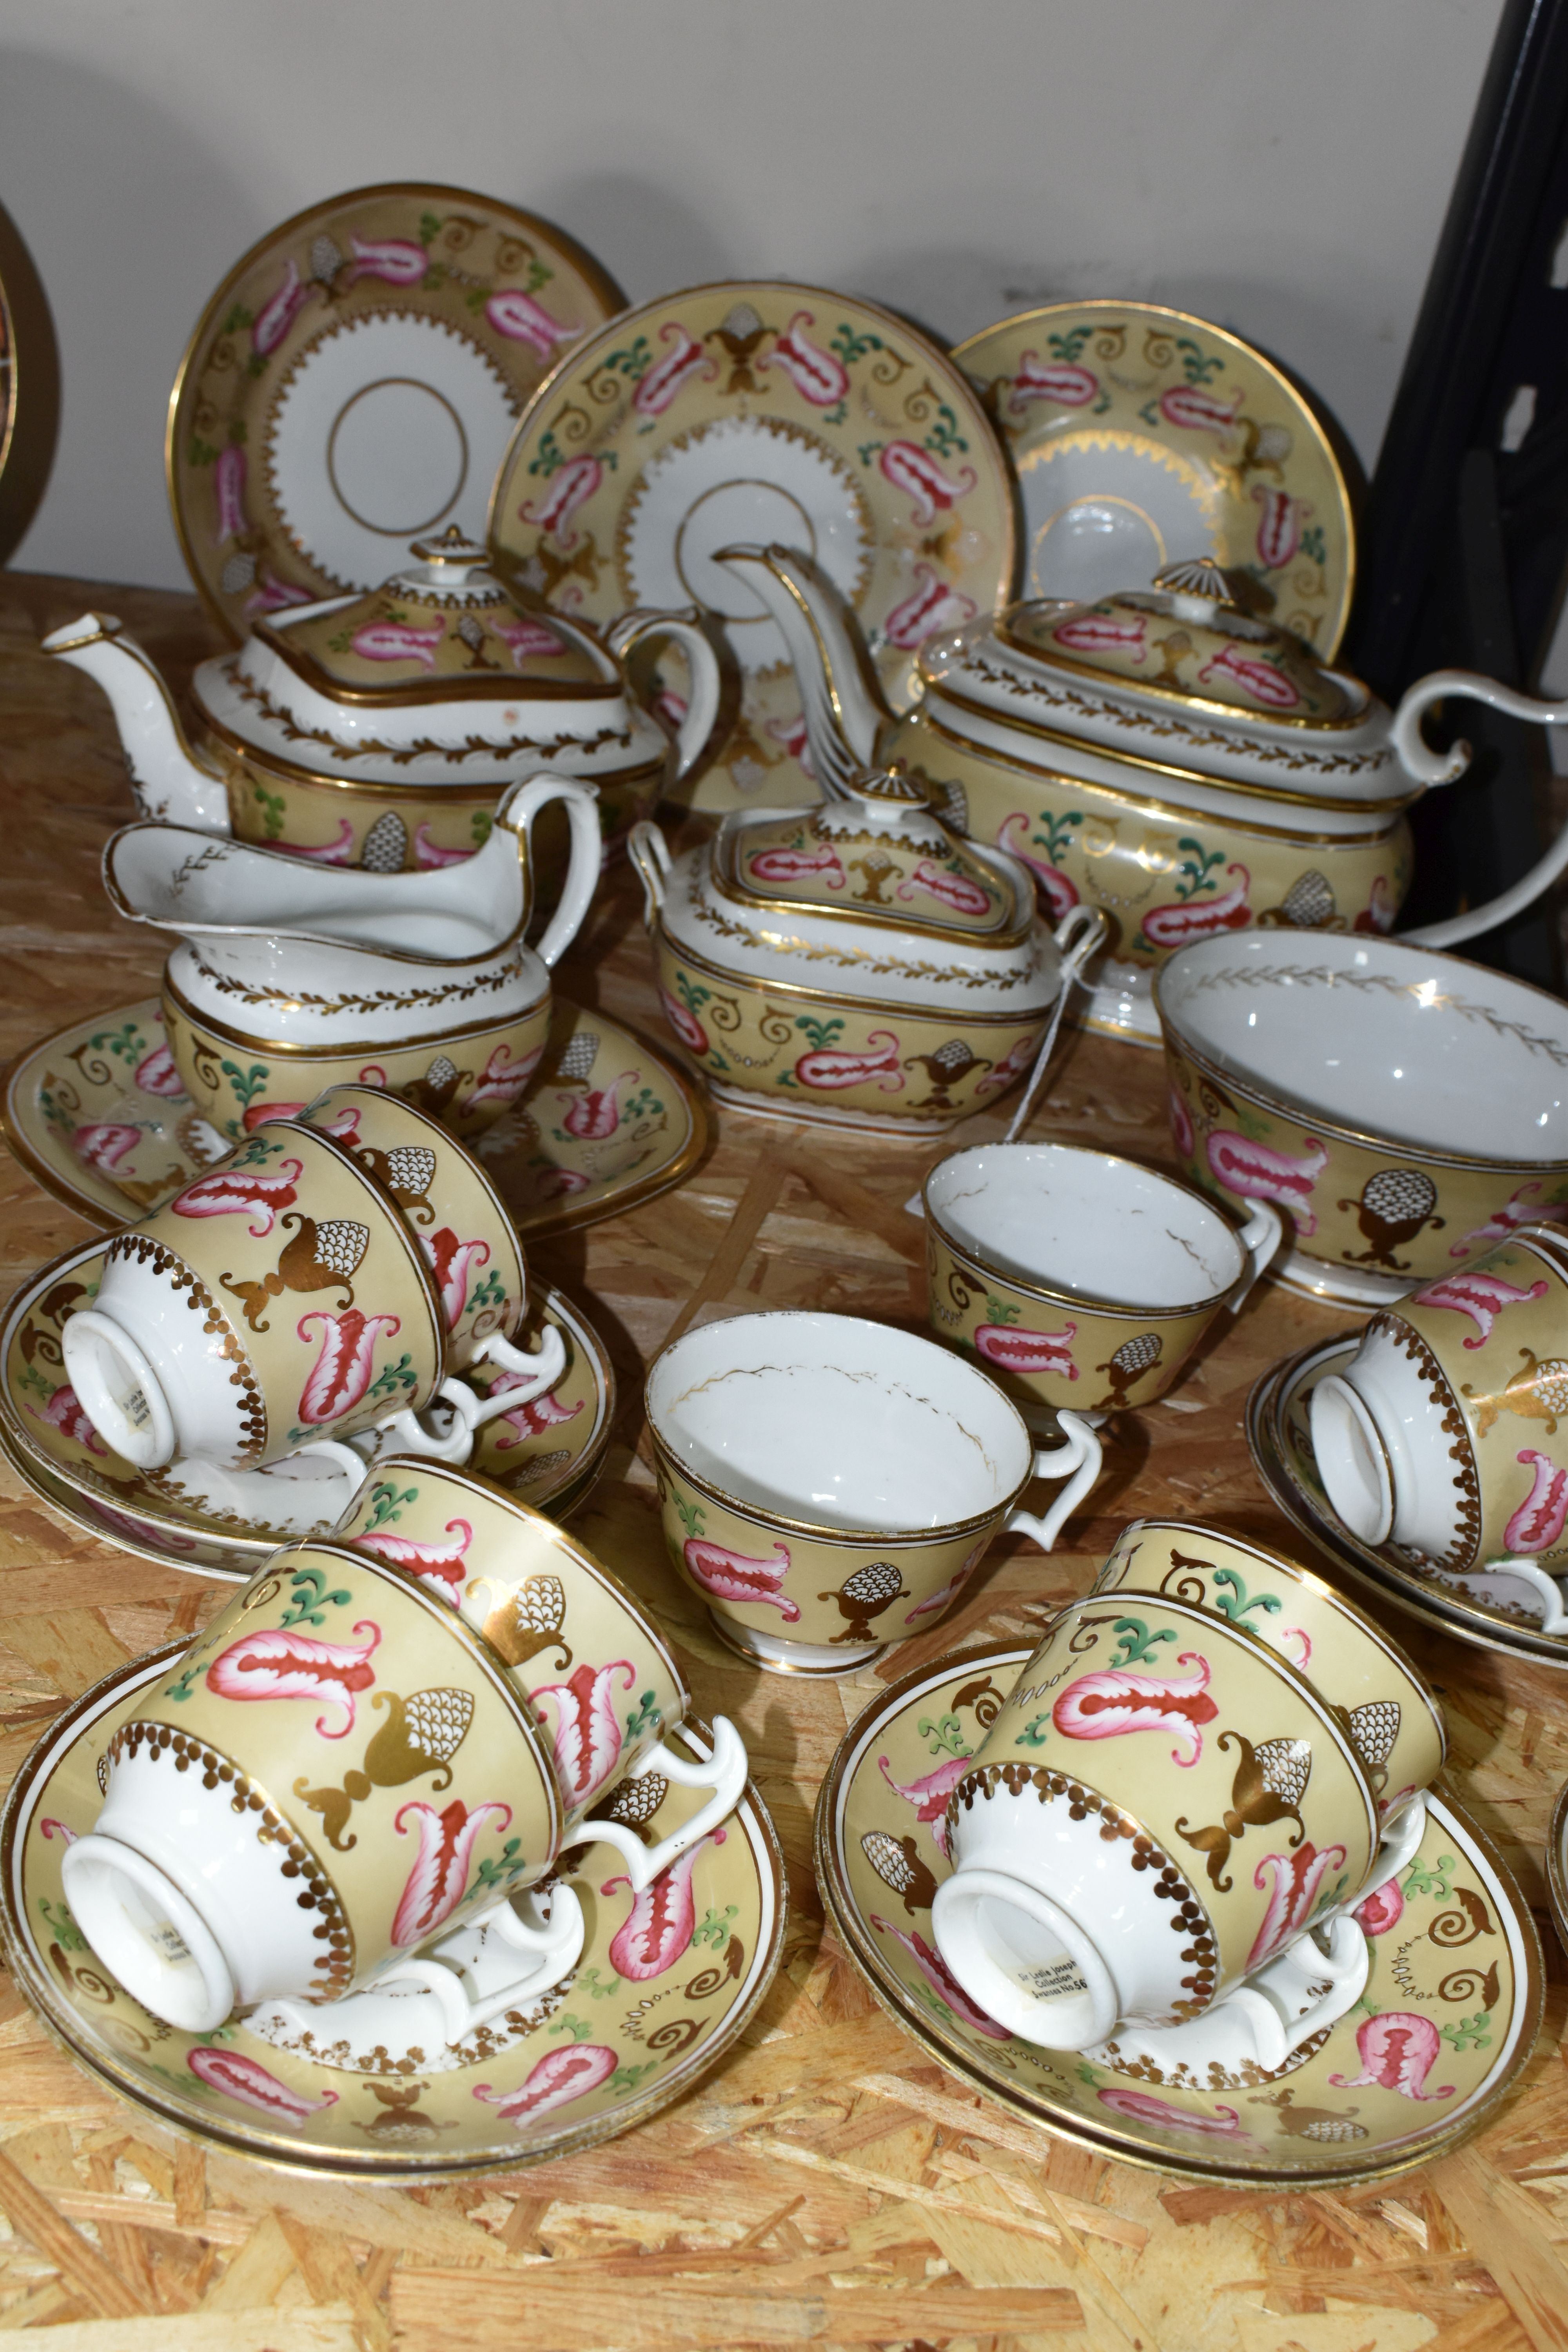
(442, 626)
(1186, 637)
(875, 852)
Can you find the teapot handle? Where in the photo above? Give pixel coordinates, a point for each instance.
(649, 853)
(692, 734)
(518, 811)
(1428, 767)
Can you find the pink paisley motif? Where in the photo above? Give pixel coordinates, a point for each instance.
(452, 1262)
(1012, 1066)
(1188, 406)
(528, 640)
(1027, 1351)
(274, 596)
(502, 1079)
(1094, 633)
(1537, 1525)
(1380, 1911)
(64, 1411)
(339, 851)
(571, 487)
(958, 892)
(396, 260)
(942, 1981)
(1293, 1881)
(529, 1420)
(228, 493)
(1054, 380)
(594, 1117)
(1114, 1702)
(242, 1193)
(438, 1565)
(156, 1073)
(817, 375)
(793, 865)
(1058, 890)
(244, 2079)
(278, 314)
(1515, 1211)
(342, 1371)
(50, 1827)
(561, 2077)
(658, 1929)
(440, 1873)
(588, 1738)
(1482, 1297)
(930, 1795)
(1397, 2052)
(1279, 523)
(683, 359)
(104, 1144)
(915, 472)
(1181, 921)
(518, 316)
(1377, 916)
(1258, 1173)
(684, 1022)
(1181, 1120)
(1143, 2107)
(732, 1576)
(955, 1583)
(935, 604)
(396, 641)
(831, 1067)
(1268, 686)
(429, 857)
(275, 1664)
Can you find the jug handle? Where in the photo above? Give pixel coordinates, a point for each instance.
(692, 734)
(649, 853)
(1428, 767)
(517, 813)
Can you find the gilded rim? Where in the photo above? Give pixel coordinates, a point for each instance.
(1303, 1114)
(551, 1218)
(1439, 1607)
(44, 1476)
(1556, 1871)
(1316, 1585)
(954, 2054)
(964, 355)
(30, 413)
(1032, 1288)
(531, 225)
(766, 1851)
(743, 983)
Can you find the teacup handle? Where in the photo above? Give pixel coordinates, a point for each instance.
(1261, 1237)
(724, 1773)
(470, 1410)
(1078, 1459)
(554, 1946)
(1530, 1572)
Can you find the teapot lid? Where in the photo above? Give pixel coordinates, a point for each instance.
(442, 626)
(874, 853)
(1186, 636)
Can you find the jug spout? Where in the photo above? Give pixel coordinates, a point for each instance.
(841, 693)
(173, 784)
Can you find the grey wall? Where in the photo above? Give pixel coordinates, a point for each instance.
(1278, 165)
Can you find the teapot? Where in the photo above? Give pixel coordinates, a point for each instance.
(1159, 753)
(284, 980)
(381, 731)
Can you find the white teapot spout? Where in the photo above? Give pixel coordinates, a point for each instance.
(173, 784)
(841, 693)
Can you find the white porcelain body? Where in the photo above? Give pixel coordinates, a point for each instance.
(1096, 1227)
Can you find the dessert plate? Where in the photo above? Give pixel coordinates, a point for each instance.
(664, 1986)
(353, 384)
(1141, 436)
(1448, 2019)
(96, 1113)
(222, 1525)
(1487, 1606)
(755, 413)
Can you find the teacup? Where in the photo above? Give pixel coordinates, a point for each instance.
(1229, 1814)
(1426, 1440)
(1077, 1279)
(820, 1473)
(279, 1305)
(338, 1771)
(1394, 1724)
(595, 1668)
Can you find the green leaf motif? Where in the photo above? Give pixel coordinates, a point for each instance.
(1234, 1603)
(648, 1714)
(310, 1600)
(820, 1033)
(1434, 1878)
(715, 1928)
(1032, 1736)
(1001, 1310)
(1469, 2031)
(386, 1504)
(1136, 1644)
(246, 1084)
(691, 1517)
(588, 1980)
(945, 1735)
(578, 2027)
(627, 2078)
(182, 1688)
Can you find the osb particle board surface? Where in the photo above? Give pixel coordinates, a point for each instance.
(826, 2185)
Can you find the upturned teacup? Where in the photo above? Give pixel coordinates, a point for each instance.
(339, 1770)
(595, 1668)
(1436, 1435)
(1078, 1279)
(828, 1485)
(282, 1303)
(1394, 1724)
(1160, 1810)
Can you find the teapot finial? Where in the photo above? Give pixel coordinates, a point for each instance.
(1197, 587)
(454, 546)
(893, 783)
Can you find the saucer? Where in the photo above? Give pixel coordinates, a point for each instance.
(1488, 1607)
(1448, 2017)
(96, 1114)
(29, 387)
(353, 382)
(1140, 437)
(633, 2027)
(749, 412)
(549, 1453)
